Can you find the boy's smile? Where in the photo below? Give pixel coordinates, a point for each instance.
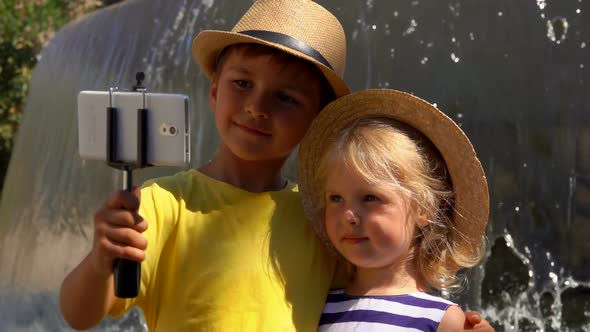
(263, 106)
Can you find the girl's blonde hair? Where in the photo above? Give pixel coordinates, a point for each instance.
(388, 151)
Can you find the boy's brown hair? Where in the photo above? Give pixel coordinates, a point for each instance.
(300, 28)
(327, 94)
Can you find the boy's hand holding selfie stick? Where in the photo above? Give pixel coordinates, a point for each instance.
(132, 130)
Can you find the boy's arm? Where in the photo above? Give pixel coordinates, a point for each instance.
(86, 296)
(87, 293)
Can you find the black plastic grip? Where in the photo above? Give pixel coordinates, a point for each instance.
(127, 278)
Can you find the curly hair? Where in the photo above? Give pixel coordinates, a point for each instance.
(385, 151)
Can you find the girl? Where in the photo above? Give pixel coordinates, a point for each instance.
(394, 186)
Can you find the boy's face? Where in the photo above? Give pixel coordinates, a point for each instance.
(263, 106)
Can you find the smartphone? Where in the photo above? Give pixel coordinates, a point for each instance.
(167, 126)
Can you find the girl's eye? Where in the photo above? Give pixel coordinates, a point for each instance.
(335, 198)
(371, 198)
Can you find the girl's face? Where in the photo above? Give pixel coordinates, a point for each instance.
(369, 224)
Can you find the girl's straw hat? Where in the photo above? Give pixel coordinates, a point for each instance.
(299, 27)
(471, 200)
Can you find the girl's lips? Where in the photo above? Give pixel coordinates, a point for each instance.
(354, 240)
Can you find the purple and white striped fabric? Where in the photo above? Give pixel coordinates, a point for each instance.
(415, 312)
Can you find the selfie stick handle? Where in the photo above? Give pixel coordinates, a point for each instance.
(127, 273)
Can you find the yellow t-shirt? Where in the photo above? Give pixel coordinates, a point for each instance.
(223, 259)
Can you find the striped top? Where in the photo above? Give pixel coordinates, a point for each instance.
(415, 312)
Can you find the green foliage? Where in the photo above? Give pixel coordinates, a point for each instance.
(25, 27)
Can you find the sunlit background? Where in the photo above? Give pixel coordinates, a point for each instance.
(512, 73)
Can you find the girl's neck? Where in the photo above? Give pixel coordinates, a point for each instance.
(253, 176)
(390, 280)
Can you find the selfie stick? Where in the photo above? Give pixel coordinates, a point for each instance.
(127, 272)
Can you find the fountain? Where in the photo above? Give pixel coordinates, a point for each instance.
(511, 73)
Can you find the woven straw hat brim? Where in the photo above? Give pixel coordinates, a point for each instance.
(208, 44)
(467, 176)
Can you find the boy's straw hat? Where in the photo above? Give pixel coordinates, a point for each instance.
(299, 27)
(471, 205)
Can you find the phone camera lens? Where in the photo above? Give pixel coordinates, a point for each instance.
(172, 130)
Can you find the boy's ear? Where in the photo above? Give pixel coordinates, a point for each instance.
(213, 93)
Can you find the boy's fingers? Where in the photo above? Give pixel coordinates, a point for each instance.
(137, 192)
(472, 318)
(124, 200)
(126, 237)
(124, 251)
(122, 218)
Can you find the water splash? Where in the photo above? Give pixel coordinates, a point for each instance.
(557, 29)
(554, 306)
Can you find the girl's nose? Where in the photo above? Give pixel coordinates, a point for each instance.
(351, 218)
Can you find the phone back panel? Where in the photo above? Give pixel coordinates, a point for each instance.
(168, 129)
(167, 126)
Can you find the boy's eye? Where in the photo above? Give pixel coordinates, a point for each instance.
(335, 198)
(371, 198)
(241, 83)
(286, 98)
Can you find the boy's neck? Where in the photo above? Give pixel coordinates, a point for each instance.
(252, 176)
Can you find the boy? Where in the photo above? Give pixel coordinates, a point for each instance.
(229, 248)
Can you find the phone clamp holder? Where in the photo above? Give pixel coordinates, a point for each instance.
(127, 272)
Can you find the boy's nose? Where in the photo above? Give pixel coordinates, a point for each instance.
(257, 109)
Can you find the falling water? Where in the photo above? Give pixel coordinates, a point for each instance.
(513, 74)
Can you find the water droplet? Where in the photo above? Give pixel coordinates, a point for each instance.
(541, 4)
(557, 205)
(583, 45)
(454, 58)
(517, 209)
(557, 29)
(411, 28)
(395, 13)
(543, 15)
(453, 40)
(415, 3)
(500, 13)
(434, 104)
(424, 60)
(374, 27)
(524, 165)
(430, 44)
(459, 115)
(471, 36)
(581, 65)
(392, 52)
(578, 11)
